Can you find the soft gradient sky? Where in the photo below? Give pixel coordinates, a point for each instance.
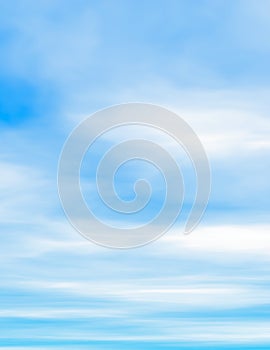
(208, 61)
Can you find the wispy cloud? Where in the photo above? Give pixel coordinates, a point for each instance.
(208, 62)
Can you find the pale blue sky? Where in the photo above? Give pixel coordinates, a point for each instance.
(206, 60)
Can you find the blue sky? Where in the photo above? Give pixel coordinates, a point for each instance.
(208, 61)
